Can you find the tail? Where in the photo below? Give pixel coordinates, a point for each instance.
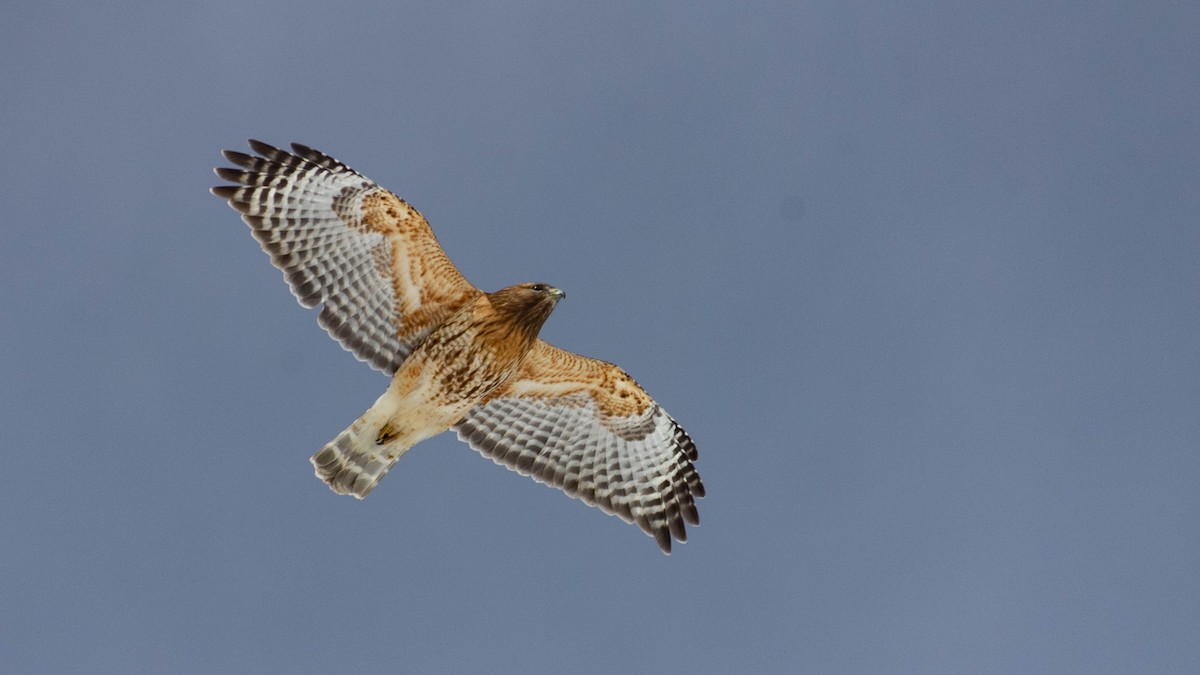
(355, 461)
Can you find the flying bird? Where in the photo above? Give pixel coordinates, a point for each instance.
(459, 358)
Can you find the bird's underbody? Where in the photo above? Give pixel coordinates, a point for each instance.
(450, 371)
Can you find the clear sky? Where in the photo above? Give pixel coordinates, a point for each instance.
(921, 279)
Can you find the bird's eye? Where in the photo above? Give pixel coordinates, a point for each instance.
(540, 288)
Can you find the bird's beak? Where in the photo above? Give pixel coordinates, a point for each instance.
(558, 295)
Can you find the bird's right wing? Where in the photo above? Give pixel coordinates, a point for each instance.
(344, 242)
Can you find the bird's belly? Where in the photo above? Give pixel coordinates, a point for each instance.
(421, 403)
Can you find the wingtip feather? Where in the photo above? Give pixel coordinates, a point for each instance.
(263, 149)
(663, 538)
(239, 158)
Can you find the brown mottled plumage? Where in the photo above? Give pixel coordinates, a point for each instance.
(459, 363)
(459, 358)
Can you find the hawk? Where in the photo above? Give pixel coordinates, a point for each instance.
(459, 358)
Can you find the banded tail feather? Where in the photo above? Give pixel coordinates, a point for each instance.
(356, 460)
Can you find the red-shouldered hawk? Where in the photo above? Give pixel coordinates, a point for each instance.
(459, 358)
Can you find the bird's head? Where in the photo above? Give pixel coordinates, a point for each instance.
(543, 291)
(527, 305)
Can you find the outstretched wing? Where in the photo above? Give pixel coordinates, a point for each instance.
(584, 426)
(343, 241)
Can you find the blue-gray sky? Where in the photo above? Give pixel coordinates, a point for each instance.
(921, 279)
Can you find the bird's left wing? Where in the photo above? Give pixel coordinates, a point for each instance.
(584, 426)
(344, 242)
